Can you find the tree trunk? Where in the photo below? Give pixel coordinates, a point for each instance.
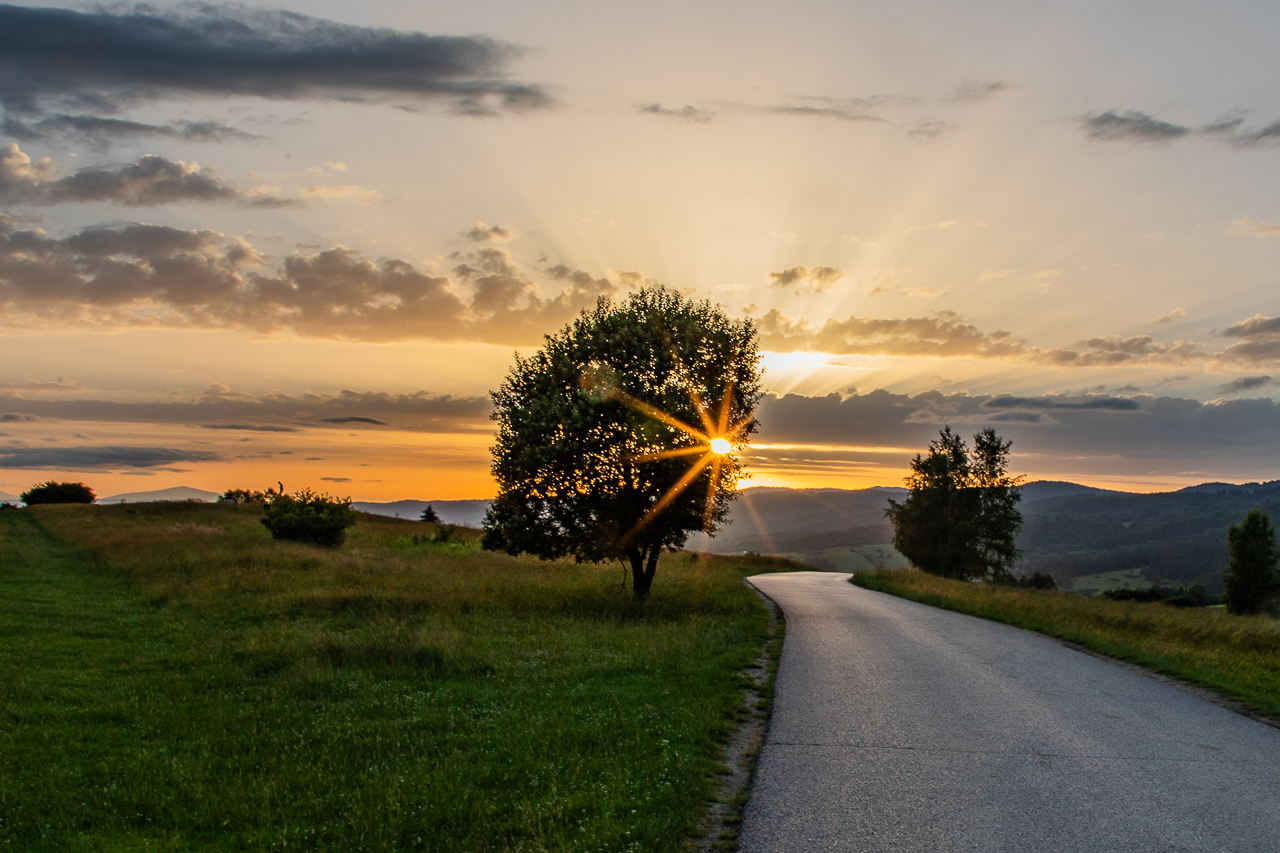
(644, 565)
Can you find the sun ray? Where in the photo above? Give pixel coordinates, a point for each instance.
(672, 493)
(656, 413)
(667, 454)
(711, 490)
(724, 407)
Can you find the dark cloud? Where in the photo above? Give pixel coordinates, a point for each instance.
(353, 419)
(151, 181)
(1245, 383)
(980, 90)
(482, 233)
(685, 113)
(1259, 344)
(17, 418)
(807, 280)
(251, 427)
(146, 275)
(1051, 403)
(946, 334)
(337, 479)
(929, 129)
(99, 132)
(1131, 126)
(99, 458)
(219, 409)
(1238, 439)
(142, 53)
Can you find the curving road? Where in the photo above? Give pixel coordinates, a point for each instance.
(902, 727)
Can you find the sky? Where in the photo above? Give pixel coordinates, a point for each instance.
(242, 244)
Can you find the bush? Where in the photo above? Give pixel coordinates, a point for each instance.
(245, 496)
(307, 516)
(1174, 596)
(1251, 577)
(58, 493)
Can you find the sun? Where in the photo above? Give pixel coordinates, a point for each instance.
(720, 446)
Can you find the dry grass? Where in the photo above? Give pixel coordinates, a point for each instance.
(1238, 656)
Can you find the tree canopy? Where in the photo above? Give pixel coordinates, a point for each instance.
(1250, 578)
(616, 439)
(961, 519)
(54, 492)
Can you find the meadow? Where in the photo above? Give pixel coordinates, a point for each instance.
(171, 678)
(1236, 656)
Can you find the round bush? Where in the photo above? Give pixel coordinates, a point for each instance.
(307, 516)
(58, 493)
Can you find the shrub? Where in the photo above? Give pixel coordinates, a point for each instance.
(308, 516)
(245, 496)
(58, 493)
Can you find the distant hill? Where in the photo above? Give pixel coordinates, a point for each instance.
(468, 513)
(780, 521)
(5, 497)
(177, 493)
(1040, 490)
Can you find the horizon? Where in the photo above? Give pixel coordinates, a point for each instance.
(246, 262)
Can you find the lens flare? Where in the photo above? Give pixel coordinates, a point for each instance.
(720, 446)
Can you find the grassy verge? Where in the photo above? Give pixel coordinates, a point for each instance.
(173, 679)
(1237, 656)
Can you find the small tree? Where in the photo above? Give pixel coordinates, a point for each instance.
(429, 514)
(614, 438)
(1250, 578)
(961, 519)
(308, 516)
(58, 493)
(247, 496)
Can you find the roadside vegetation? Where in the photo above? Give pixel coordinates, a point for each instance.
(172, 678)
(1237, 656)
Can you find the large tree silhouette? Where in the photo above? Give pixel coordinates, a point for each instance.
(616, 439)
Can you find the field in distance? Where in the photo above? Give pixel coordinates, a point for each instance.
(853, 558)
(171, 678)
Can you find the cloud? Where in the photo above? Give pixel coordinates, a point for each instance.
(99, 458)
(1171, 316)
(947, 335)
(807, 280)
(353, 419)
(1057, 403)
(1139, 437)
(980, 90)
(337, 479)
(994, 274)
(687, 113)
(155, 276)
(937, 226)
(274, 413)
(251, 427)
(1245, 383)
(1230, 130)
(142, 53)
(350, 192)
(149, 182)
(929, 129)
(1256, 326)
(482, 233)
(1130, 126)
(99, 132)
(1247, 227)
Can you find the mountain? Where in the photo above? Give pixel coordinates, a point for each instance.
(468, 513)
(778, 521)
(1040, 490)
(177, 493)
(5, 497)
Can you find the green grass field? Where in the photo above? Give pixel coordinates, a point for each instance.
(1102, 581)
(1238, 656)
(852, 558)
(173, 679)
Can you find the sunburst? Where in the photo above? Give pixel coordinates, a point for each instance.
(716, 441)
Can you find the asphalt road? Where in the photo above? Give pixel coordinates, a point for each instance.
(902, 727)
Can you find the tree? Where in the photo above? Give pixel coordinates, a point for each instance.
(961, 519)
(615, 439)
(58, 493)
(1250, 578)
(429, 514)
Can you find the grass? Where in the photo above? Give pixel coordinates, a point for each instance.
(852, 558)
(173, 679)
(1237, 656)
(1103, 581)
